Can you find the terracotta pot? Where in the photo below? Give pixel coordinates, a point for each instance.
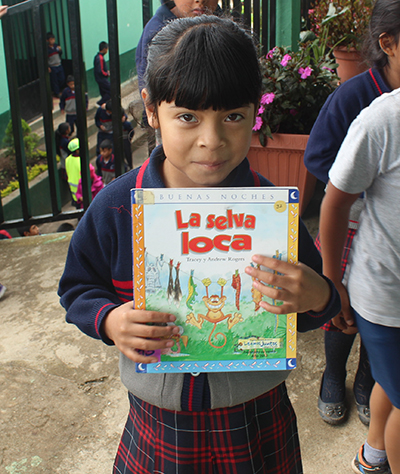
(281, 161)
(350, 63)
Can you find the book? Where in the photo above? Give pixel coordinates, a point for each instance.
(190, 250)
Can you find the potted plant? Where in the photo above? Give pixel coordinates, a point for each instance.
(295, 87)
(346, 22)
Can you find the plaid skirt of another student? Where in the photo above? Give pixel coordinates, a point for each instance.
(259, 436)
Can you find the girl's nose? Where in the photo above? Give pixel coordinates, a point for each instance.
(211, 137)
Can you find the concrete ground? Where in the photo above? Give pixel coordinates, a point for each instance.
(62, 405)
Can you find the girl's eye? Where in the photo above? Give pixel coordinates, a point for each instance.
(235, 117)
(187, 118)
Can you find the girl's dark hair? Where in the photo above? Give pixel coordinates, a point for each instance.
(203, 62)
(385, 18)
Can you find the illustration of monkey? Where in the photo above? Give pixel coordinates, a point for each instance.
(214, 304)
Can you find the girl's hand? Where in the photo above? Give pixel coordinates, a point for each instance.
(130, 331)
(345, 319)
(299, 287)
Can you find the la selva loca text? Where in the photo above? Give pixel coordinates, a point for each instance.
(223, 242)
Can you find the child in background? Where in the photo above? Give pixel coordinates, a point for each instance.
(207, 422)
(105, 162)
(326, 137)
(57, 76)
(62, 134)
(96, 186)
(128, 133)
(103, 121)
(73, 169)
(102, 74)
(168, 11)
(68, 103)
(369, 162)
(28, 230)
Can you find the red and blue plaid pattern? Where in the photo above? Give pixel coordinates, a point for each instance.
(259, 436)
(345, 260)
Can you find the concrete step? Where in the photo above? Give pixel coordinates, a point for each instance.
(130, 100)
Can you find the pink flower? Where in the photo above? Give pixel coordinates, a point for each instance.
(267, 98)
(304, 73)
(285, 60)
(310, 11)
(261, 110)
(258, 124)
(328, 69)
(270, 53)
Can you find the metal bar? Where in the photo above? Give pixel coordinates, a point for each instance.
(272, 24)
(16, 118)
(264, 25)
(146, 9)
(47, 107)
(247, 12)
(115, 80)
(80, 98)
(23, 6)
(256, 19)
(43, 219)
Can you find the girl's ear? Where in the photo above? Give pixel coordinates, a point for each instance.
(387, 44)
(150, 110)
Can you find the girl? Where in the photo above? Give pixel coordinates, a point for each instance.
(369, 162)
(326, 137)
(203, 85)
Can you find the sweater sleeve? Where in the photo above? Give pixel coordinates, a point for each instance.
(97, 275)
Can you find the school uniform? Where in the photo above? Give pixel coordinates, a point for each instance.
(103, 118)
(247, 415)
(101, 76)
(68, 104)
(57, 76)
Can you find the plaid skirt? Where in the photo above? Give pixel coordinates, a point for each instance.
(345, 260)
(259, 436)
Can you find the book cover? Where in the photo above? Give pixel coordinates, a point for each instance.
(190, 249)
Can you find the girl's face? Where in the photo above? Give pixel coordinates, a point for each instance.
(185, 8)
(202, 147)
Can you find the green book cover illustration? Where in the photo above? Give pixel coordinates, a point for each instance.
(190, 249)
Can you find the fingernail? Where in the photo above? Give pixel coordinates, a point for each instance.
(169, 344)
(172, 317)
(175, 330)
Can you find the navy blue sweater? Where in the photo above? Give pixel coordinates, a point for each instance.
(335, 117)
(98, 271)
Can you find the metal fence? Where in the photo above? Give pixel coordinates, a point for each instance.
(39, 16)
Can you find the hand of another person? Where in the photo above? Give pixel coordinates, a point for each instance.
(133, 329)
(299, 287)
(345, 319)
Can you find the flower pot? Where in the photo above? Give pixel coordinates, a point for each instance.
(281, 161)
(350, 63)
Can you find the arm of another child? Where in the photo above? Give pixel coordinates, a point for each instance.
(334, 219)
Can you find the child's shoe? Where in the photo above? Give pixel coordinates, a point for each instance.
(360, 466)
(2, 290)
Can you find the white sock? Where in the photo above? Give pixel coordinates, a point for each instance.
(374, 456)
